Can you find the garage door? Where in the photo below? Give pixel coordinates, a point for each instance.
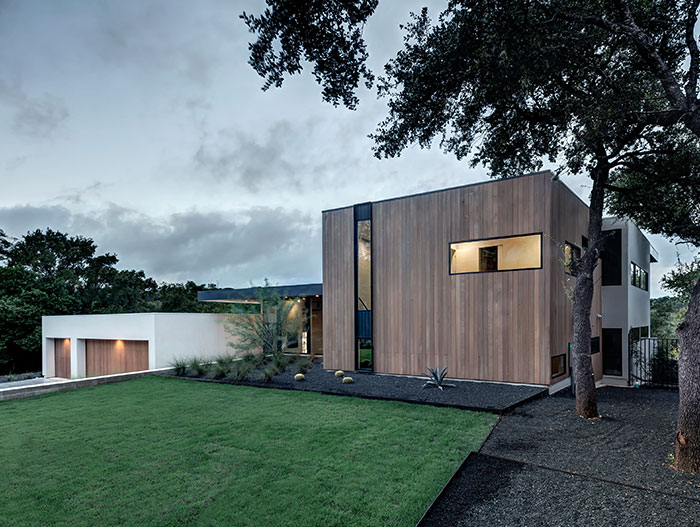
(61, 354)
(105, 357)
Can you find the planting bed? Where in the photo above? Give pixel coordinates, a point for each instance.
(470, 395)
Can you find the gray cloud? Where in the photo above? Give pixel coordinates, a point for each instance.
(33, 116)
(229, 248)
(40, 117)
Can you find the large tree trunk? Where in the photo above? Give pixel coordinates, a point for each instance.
(688, 433)
(586, 399)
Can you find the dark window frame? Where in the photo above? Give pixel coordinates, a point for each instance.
(362, 212)
(639, 277)
(611, 258)
(563, 361)
(449, 254)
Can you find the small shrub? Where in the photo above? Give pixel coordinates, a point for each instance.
(268, 373)
(347, 380)
(437, 379)
(299, 377)
(240, 370)
(180, 367)
(258, 360)
(281, 361)
(197, 367)
(225, 360)
(219, 370)
(303, 366)
(340, 373)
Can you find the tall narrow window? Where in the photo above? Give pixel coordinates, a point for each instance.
(363, 285)
(496, 254)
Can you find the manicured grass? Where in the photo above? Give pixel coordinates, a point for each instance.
(160, 451)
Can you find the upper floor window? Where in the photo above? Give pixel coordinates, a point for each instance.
(639, 277)
(572, 255)
(496, 254)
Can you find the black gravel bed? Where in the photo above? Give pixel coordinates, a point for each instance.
(631, 443)
(478, 396)
(494, 491)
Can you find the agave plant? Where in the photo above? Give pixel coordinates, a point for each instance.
(437, 378)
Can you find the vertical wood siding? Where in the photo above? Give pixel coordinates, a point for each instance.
(569, 223)
(499, 326)
(338, 289)
(106, 357)
(486, 326)
(62, 358)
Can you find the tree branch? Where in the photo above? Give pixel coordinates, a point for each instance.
(647, 50)
(691, 86)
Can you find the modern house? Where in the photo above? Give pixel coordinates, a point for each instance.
(477, 278)
(626, 265)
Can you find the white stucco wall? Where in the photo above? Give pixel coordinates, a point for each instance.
(626, 306)
(169, 336)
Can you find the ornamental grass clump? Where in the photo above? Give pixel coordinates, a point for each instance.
(179, 366)
(268, 373)
(437, 379)
(240, 370)
(303, 366)
(197, 367)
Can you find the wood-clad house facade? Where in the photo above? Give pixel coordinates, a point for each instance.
(473, 278)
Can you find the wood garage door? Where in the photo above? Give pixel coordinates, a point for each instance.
(105, 357)
(61, 354)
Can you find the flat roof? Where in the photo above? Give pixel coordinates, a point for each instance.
(477, 183)
(251, 293)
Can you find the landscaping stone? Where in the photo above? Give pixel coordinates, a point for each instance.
(545, 465)
(347, 380)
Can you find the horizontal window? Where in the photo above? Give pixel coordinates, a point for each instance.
(639, 277)
(496, 254)
(558, 365)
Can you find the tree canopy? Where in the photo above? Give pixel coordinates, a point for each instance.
(51, 273)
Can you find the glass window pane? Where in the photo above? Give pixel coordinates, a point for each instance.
(496, 254)
(364, 265)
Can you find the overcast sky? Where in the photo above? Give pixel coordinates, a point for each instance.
(139, 123)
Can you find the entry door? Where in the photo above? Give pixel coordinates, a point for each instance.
(61, 353)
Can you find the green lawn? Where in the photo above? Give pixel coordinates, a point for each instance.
(160, 451)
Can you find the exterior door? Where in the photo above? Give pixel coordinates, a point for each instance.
(61, 353)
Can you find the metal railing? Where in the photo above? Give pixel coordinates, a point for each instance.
(653, 362)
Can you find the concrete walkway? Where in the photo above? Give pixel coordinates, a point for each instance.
(31, 387)
(27, 382)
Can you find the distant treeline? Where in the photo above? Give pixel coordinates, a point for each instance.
(52, 273)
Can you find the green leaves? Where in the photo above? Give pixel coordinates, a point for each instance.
(326, 34)
(437, 378)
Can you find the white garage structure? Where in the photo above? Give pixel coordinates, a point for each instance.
(76, 346)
